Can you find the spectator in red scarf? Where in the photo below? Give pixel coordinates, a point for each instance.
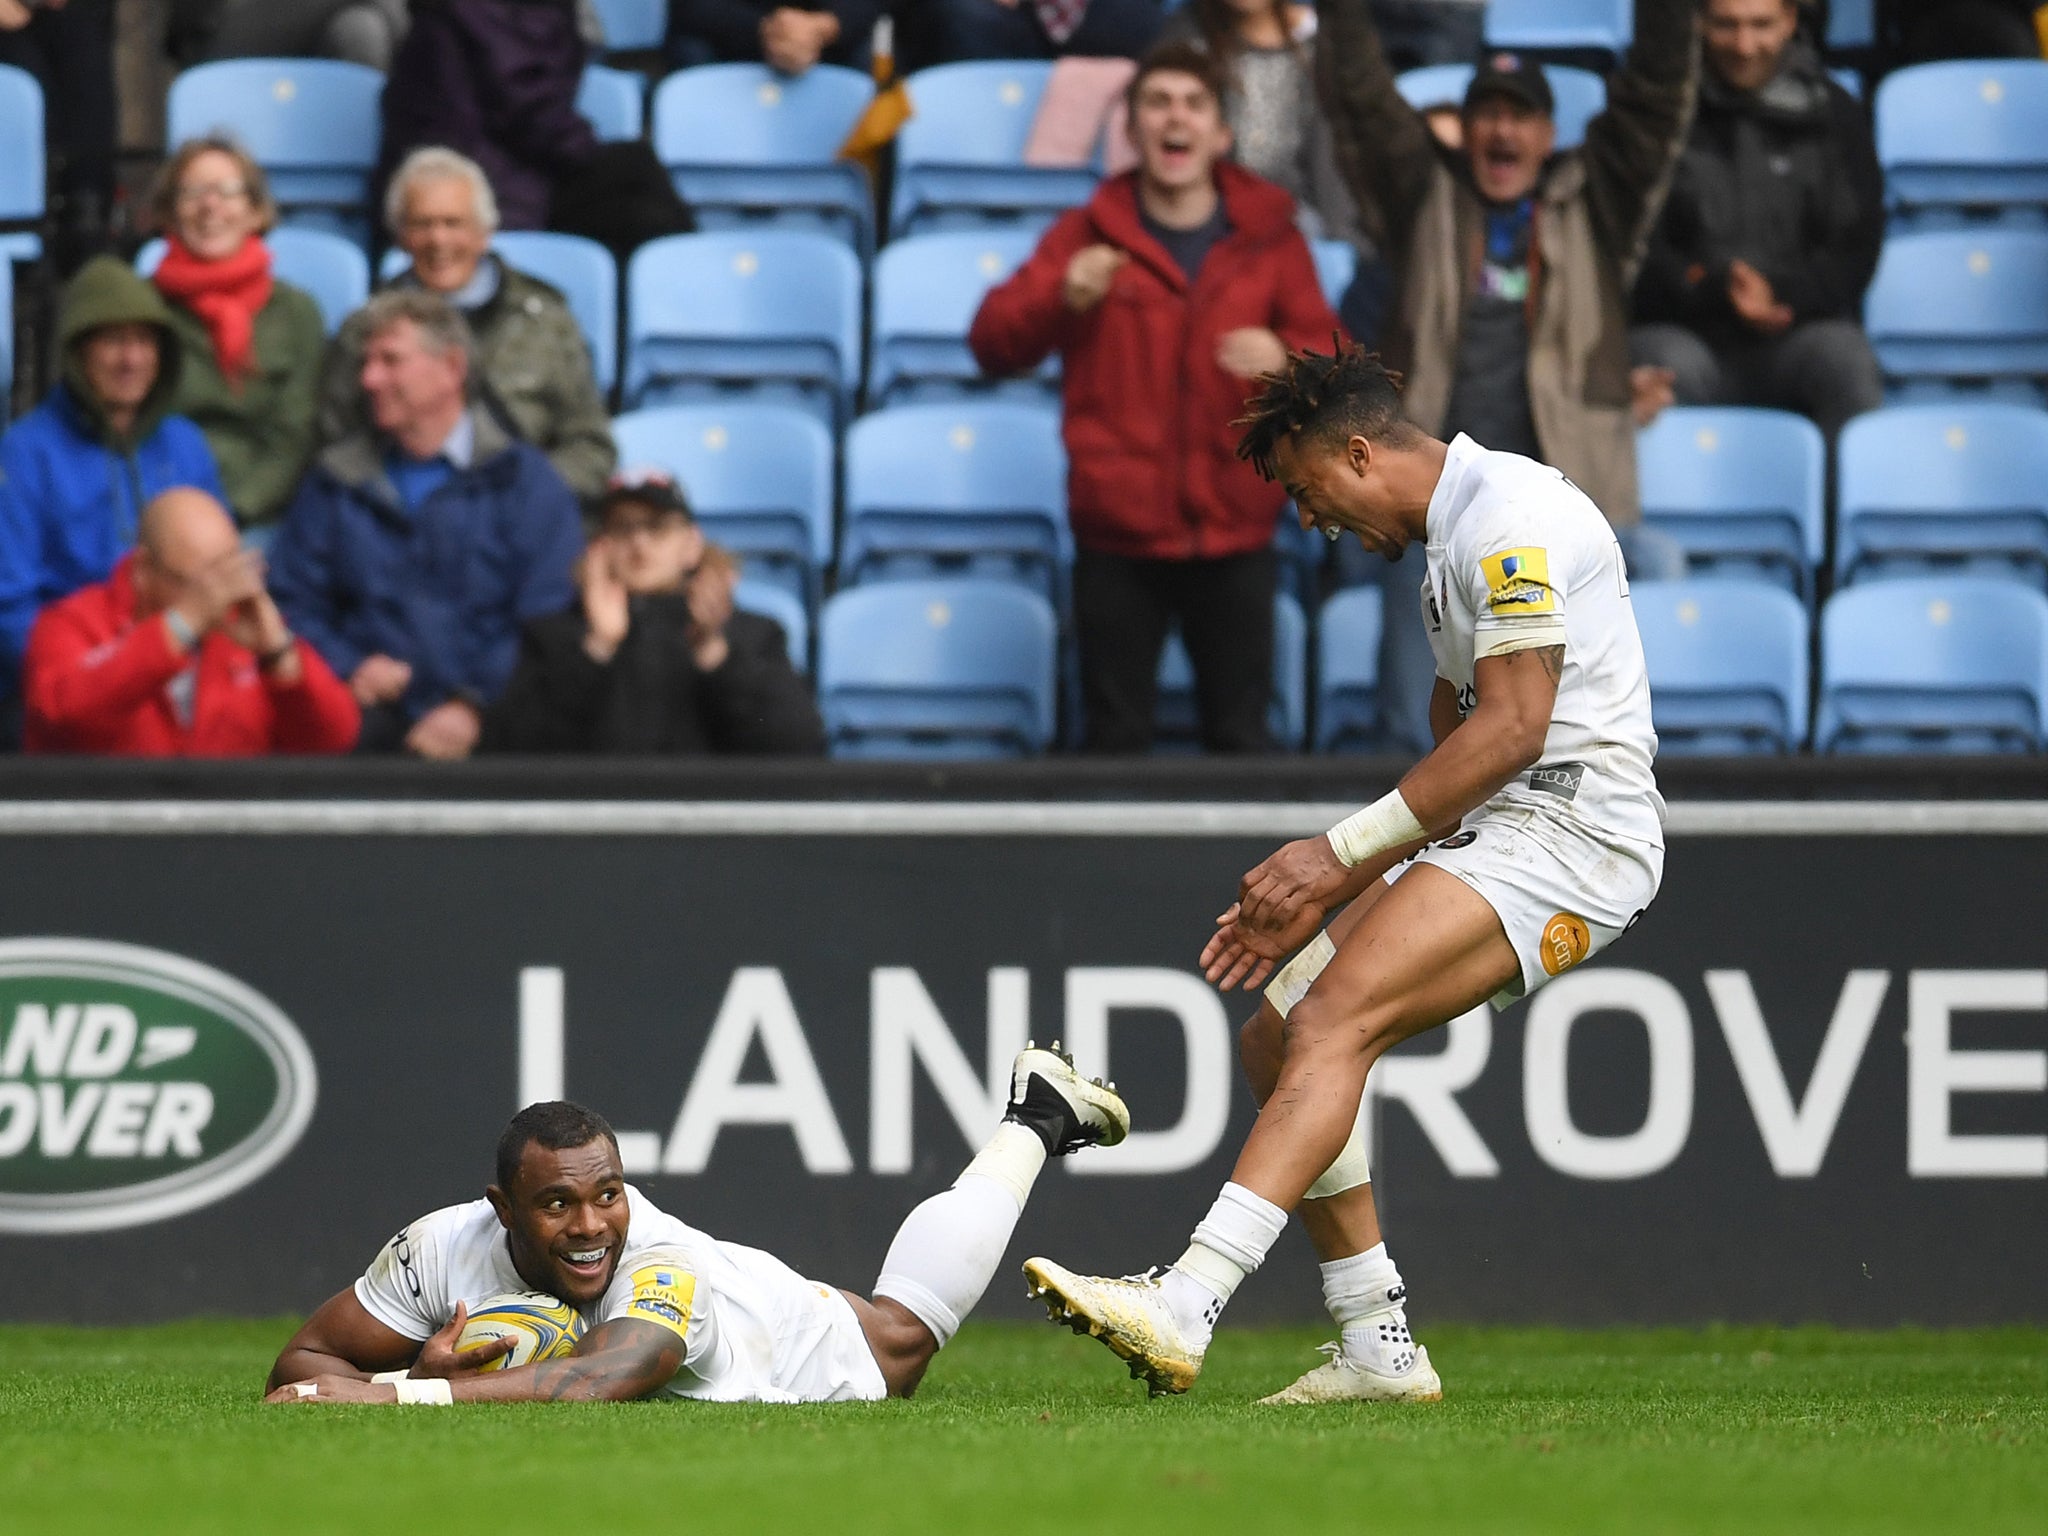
(180, 653)
(252, 345)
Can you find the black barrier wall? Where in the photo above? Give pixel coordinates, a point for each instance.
(1811, 1084)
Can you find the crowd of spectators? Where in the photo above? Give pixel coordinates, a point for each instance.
(223, 532)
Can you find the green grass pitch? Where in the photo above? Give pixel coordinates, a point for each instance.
(1026, 1428)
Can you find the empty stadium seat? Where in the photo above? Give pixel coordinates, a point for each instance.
(758, 476)
(614, 101)
(937, 669)
(23, 191)
(1931, 484)
(1961, 309)
(631, 26)
(785, 608)
(1742, 489)
(6, 341)
(1728, 665)
(1177, 718)
(312, 124)
(1336, 264)
(1348, 630)
(768, 311)
(1934, 664)
(1581, 94)
(1852, 24)
(581, 269)
(1561, 26)
(746, 146)
(927, 289)
(1965, 136)
(969, 488)
(330, 267)
(960, 158)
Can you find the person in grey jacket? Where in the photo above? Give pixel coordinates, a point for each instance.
(532, 366)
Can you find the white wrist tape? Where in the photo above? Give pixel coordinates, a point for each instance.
(391, 1376)
(433, 1390)
(1384, 825)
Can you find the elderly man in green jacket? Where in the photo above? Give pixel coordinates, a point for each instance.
(533, 370)
(1513, 264)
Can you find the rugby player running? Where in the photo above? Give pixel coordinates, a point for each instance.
(669, 1309)
(1528, 840)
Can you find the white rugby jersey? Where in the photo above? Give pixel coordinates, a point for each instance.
(747, 1320)
(1519, 558)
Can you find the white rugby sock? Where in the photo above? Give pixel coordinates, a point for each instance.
(947, 1250)
(1229, 1244)
(1365, 1294)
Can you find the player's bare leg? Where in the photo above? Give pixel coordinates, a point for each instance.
(1424, 952)
(947, 1250)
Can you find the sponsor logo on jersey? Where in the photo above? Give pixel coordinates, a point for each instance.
(1560, 779)
(1565, 942)
(1518, 581)
(1463, 839)
(663, 1295)
(136, 1085)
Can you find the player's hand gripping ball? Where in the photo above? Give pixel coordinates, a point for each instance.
(539, 1326)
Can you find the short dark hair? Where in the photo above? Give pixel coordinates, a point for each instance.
(1329, 395)
(1180, 58)
(555, 1124)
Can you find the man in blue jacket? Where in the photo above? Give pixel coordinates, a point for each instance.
(76, 472)
(412, 554)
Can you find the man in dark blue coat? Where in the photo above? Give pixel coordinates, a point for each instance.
(412, 555)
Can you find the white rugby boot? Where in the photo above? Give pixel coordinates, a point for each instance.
(1340, 1379)
(1068, 1111)
(1131, 1315)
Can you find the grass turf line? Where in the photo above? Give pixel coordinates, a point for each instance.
(1027, 1428)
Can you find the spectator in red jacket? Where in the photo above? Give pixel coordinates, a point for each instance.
(1167, 295)
(180, 653)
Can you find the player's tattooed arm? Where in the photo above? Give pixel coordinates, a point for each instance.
(1503, 734)
(617, 1360)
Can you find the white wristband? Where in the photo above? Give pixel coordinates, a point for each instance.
(432, 1390)
(391, 1376)
(1384, 825)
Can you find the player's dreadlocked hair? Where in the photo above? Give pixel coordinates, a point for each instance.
(1335, 395)
(555, 1124)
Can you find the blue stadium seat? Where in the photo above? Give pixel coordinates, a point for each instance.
(1581, 94)
(759, 477)
(927, 289)
(581, 269)
(6, 341)
(1561, 26)
(785, 608)
(773, 312)
(631, 26)
(960, 158)
(1287, 718)
(1961, 308)
(312, 124)
(967, 488)
(332, 269)
(1742, 489)
(1965, 136)
(747, 146)
(1336, 264)
(937, 669)
(23, 192)
(1934, 664)
(1924, 485)
(1348, 633)
(614, 101)
(1728, 665)
(1852, 24)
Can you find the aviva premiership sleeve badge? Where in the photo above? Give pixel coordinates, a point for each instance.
(663, 1293)
(1518, 582)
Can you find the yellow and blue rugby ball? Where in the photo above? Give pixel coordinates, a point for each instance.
(540, 1326)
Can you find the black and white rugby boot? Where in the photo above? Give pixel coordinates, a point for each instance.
(1062, 1108)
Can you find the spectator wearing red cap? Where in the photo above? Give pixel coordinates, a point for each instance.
(1167, 295)
(180, 653)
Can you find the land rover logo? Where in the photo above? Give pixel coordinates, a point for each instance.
(136, 1085)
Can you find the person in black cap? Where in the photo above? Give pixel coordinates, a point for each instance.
(1512, 265)
(654, 657)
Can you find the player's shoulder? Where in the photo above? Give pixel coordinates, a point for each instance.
(444, 1233)
(649, 1227)
(1517, 502)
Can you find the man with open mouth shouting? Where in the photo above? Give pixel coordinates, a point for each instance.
(668, 1309)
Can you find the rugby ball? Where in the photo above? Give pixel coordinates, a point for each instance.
(539, 1326)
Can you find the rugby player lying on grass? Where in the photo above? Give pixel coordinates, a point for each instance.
(671, 1310)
